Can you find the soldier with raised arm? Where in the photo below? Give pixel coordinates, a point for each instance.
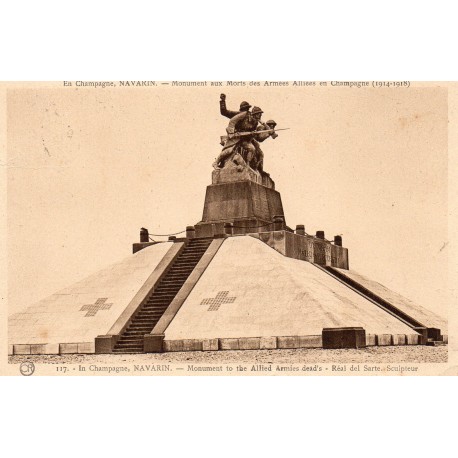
(244, 106)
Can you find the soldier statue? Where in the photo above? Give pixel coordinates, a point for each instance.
(245, 132)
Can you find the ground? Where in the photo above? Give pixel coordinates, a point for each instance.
(393, 354)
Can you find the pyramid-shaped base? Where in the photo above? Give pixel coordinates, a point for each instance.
(243, 294)
(251, 296)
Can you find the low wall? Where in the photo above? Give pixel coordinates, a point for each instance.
(306, 248)
(283, 342)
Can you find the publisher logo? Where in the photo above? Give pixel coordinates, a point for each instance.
(27, 368)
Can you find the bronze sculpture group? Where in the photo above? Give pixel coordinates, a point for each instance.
(244, 133)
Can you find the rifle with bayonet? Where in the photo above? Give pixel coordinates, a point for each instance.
(248, 134)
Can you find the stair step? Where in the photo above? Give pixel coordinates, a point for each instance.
(177, 273)
(131, 345)
(435, 343)
(177, 278)
(127, 351)
(182, 270)
(124, 342)
(146, 316)
(145, 320)
(170, 284)
(174, 293)
(167, 289)
(145, 329)
(139, 325)
(190, 256)
(158, 304)
(154, 309)
(149, 316)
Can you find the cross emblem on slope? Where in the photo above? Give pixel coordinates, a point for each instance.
(215, 302)
(92, 309)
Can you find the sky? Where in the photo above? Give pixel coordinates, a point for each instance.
(88, 167)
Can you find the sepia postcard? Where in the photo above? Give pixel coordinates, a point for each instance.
(257, 228)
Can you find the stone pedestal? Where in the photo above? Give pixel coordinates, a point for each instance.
(248, 205)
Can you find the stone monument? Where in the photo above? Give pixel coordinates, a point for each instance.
(240, 279)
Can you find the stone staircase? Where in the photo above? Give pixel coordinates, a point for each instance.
(131, 341)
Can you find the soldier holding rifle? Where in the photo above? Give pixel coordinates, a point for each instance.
(245, 131)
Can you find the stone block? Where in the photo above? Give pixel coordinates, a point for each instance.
(384, 340)
(52, 349)
(154, 343)
(210, 345)
(267, 343)
(10, 349)
(288, 342)
(319, 252)
(21, 349)
(434, 333)
(310, 342)
(412, 339)
(68, 348)
(249, 343)
(229, 344)
(38, 349)
(423, 335)
(192, 345)
(445, 338)
(105, 344)
(204, 230)
(349, 337)
(86, 347)
(399, 339)
(173, 345)
(371, 340)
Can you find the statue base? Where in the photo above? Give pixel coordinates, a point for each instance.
(234, 172)
(249, 206)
